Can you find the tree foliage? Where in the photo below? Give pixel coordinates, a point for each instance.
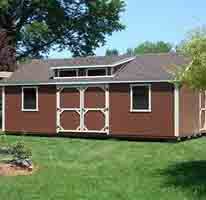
(152, 47)
(194, 47)
(7, 54)
(112, 52)
(130, 52)
(35, 26)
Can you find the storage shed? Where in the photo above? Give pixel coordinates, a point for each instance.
(120, 96)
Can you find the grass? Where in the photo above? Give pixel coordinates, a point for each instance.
(108, 169)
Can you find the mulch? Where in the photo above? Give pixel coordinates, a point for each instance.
(12, 170)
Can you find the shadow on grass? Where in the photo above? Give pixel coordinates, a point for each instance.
(188, 176)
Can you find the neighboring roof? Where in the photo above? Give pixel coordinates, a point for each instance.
(144, 68)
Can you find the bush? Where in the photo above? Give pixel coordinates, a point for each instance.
(20, 151)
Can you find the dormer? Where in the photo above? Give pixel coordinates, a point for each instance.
(89, 71)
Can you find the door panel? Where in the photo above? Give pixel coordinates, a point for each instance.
(94, 98)
(94, 120)
(70, 120)
(70, 98)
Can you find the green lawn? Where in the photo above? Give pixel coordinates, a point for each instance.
(110, 170)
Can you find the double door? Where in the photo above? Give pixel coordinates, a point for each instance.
(83, 109)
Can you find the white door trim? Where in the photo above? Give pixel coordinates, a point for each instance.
(176, 110)
(3, 109)
(202, 109)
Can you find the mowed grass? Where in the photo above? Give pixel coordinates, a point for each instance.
(110, 170)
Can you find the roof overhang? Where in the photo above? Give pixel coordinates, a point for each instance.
(95, 66)
(29, 83)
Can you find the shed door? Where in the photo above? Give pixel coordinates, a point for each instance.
(203, 111)
(83, 109)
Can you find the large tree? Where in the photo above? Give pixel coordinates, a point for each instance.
(153, 47)
(194, 47)
(7, 54)
(33, 27)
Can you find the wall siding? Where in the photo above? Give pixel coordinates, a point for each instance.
(43, 121)
(189, 111)
(158, 123)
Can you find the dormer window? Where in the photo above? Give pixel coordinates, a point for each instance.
(82, 72)
(64, 73)
(68, 73)
(97, 72)
(80, 69)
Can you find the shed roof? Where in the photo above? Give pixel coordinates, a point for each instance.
(143, 68)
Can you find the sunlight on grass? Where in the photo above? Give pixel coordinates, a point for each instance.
(107, 169)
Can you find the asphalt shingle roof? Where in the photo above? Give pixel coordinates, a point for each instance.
(149, 67)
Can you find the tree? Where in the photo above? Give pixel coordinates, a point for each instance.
(130, 52)
(194, 47)
(112, 52)
(151, 47)
(33, 27)
(7, 54)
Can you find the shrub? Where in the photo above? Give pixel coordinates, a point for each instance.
(20, 151)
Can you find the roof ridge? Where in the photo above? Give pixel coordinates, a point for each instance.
(84, 57)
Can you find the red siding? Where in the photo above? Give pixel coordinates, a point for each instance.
(158, 123)
(94, 98)
(189, 111)
(43, 121)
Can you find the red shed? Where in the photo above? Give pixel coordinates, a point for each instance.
(118, 96)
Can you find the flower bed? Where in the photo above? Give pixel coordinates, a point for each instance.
(15, 159)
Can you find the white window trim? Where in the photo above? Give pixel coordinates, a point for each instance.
(81, 77)
(86, 74)
(131, 98)
(22, 100)
(96, 66)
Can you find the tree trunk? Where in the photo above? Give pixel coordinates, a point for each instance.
(7, 51)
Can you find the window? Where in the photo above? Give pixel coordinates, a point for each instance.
(67, 73)
(140, 98)
(81, 72)
(96, 72)
(109, 71)
(55, 73)
(29, 99)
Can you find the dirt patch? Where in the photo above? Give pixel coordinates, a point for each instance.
(12, 170)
